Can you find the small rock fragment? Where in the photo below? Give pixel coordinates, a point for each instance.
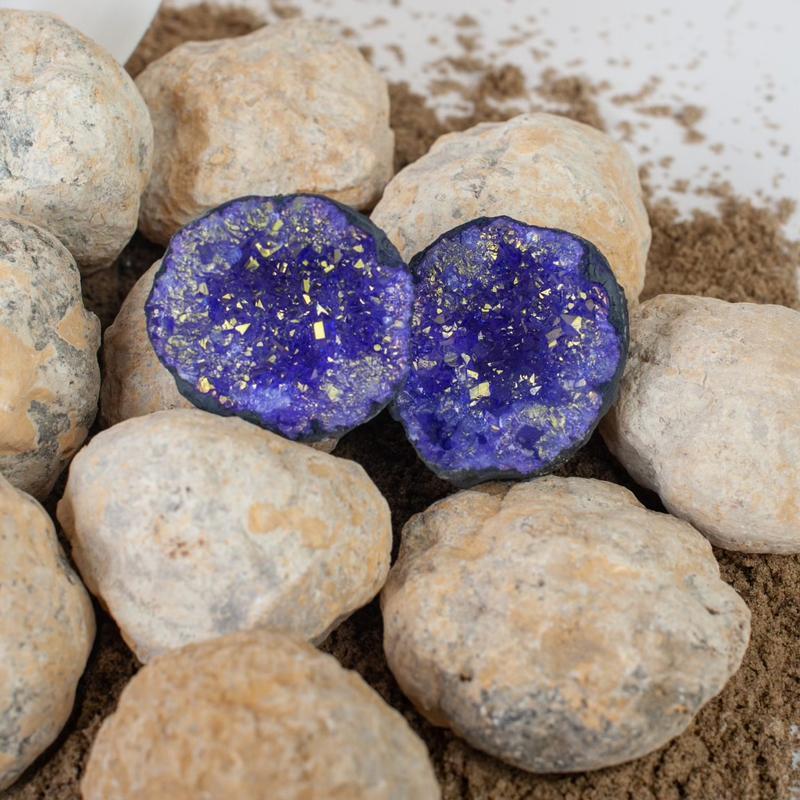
(518, 341)
(46, 633)
(189, 525)
(255, 715)
(557, 624)
(708, 416)
(49, 376)
(541, 169)
(287, 108)
(135, 382)
(76, 141)
(292, 312)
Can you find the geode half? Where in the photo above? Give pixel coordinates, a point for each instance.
(290, 311)
(518, 340)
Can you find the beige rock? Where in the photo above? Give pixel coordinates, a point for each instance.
(189, 525)
(255, 715)
(135, 382)
(49, 376)
(76, 140)
(541, 169)
(557, 624)
(708, 416)
(288, 108)
(46, 632)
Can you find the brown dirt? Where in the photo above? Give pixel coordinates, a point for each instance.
(738, 747)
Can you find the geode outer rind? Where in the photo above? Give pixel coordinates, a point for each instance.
(466, 430)
(289, 311)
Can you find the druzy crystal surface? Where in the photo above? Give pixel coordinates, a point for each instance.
(518, 339)
(292, 312)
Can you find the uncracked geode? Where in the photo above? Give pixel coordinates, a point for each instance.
(291, 312)
(518, 340)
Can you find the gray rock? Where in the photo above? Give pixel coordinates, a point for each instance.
(190, 525)
(250, 716)
(46, 633)
(557, 624)
(542, 169)
(76, 140)
(49, 376)
(288, 108)
(708, 416)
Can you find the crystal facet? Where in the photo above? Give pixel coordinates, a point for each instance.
(292, 312)
(518, 339)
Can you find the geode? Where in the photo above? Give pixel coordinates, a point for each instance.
(292, 312)
(518, 340)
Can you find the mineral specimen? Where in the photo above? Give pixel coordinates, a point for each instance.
(557, 624)
(518, 339)
(189, 525)
(292, 312)
(709, 417)
(542, 169)
(76, 141)
(288, 108)
(49, 376)
(252, 716)
(46, 633)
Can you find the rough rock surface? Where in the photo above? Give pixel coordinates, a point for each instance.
(135, 382)
(76, 142)
(557, 624)
(46, 632)
(189, 525)
(49, 376)
(288, 108)
(253, 715)
(709, 417)
(541, 169)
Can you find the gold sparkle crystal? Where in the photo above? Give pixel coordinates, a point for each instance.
(481, 390)
(359, 248)
(243, 327)
(319, 329)
(359, 264)
(252, 264)
(202, 289)
(306, 285)
(259, 304)
(205, 385)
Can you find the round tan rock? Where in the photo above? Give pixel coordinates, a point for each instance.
(557, 624)
(541, 169)
(75, 140)
(708, 416)
(46, 633)
(190, 525)
(135, 382)
(288, 108)
(255, 715)
(49, 376)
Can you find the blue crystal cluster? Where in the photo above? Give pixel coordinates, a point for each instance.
(519, 337)
(292, 312)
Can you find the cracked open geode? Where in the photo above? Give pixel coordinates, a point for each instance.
(291, 312)
(518, 340)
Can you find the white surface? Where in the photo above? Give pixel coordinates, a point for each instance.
(739, 59)
(116, 24)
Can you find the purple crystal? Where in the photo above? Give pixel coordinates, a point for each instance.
(518, 339)
(292, 312)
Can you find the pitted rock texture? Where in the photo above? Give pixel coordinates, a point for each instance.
(708, 416)
(76, 141)
(254, 715)
(46, 632)
(557, 624)
(49, 376)
(189, 525)
(540, 169)
(135, 382)
(288, 108)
